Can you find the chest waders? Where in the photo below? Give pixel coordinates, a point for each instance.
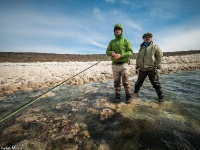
(121, 71)
(153, 75)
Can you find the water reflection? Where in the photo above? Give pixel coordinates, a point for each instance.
(85, 117)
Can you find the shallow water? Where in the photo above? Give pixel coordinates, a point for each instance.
(85, 117)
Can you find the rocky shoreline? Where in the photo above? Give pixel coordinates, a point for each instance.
(26, 76)
(21, 57)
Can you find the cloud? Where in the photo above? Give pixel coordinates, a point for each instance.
(119, 1)
(91, 29)
(98, 44)
(133, 25)
(98, 14)
(58, 33)
(162, 13)
(125, 2)
(39, 30)
(39, 24)
(179, 39)
(110, 1)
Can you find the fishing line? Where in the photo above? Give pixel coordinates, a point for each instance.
(36, 99)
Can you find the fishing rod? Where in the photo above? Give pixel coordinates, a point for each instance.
(36, 99)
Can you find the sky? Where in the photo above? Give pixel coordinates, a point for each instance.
(86, 26)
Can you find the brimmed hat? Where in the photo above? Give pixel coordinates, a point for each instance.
(147, 34)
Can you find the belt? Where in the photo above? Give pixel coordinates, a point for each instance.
(119, 63)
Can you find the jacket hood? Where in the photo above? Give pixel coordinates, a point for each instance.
(118, 26)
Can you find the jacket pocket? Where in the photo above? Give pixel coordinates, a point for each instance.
(140, 63)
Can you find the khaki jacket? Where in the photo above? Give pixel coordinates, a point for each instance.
(149, 57)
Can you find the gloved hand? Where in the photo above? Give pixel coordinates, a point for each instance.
(137, 71)
(157, 71)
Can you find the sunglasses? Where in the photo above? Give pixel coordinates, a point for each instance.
(147, 37)
(117, 28)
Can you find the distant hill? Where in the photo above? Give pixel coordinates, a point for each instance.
(50, 57)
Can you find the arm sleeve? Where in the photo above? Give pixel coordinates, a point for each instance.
(129, 50)
(136, 65)
(158, 56)
(109, 49)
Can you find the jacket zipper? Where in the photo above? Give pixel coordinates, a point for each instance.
(145, 52)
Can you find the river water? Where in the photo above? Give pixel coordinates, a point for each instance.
(85, 117)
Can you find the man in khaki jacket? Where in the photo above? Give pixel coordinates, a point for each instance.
(120, 50)
(148, 63)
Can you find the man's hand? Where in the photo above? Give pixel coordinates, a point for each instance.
(117, 56)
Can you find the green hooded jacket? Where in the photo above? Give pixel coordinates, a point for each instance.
(120, 46)
(149, 57)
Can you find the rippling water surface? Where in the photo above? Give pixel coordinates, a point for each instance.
(85, 117)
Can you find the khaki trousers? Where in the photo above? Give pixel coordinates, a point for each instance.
(121, 72)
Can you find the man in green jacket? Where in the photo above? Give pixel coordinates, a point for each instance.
(148, 63)
(120, 50)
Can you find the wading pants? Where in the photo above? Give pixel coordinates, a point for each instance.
(154, 79)
(121, 72)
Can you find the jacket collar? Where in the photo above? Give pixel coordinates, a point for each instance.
(142, 45)
(118, 37)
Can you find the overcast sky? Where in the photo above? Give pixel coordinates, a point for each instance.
(86, 26)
